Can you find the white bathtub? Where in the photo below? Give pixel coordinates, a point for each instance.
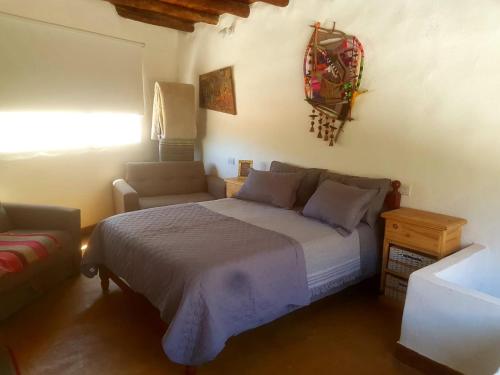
(452, 311)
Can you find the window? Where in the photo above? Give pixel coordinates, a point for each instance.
(62, 88)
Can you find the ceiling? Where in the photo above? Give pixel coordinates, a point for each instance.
(183, 14)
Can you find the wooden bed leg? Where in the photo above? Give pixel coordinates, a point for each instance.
(190, 370)
(104, 276)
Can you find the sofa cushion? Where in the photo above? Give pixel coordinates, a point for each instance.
(382, 185)
(308, 184)
(20, 249)
(64, 250)
(5, 223)
(168, 200)
(276, 188)
(339, 205)
(151, 179)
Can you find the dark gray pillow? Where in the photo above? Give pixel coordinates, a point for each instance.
(308, 184)
(5, 223)
(278, 189)
(341, 206)
(382, 185)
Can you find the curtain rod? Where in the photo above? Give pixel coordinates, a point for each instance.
(142, 44)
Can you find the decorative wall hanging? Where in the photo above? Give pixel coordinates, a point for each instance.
(217, 91)
(333, 66)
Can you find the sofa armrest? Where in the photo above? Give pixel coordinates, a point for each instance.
(125, 198)
(216, 187)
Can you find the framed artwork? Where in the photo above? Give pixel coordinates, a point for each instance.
(244, 167)
(217, 91)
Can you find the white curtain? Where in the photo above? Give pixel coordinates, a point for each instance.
(45, 67)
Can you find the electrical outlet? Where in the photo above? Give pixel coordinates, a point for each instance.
(231, 161)
(405, 190)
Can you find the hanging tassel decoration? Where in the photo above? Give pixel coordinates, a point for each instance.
(332, 128)
(327, 127)
(320, 126)
(313, 117)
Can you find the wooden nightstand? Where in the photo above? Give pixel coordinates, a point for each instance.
(412, 240)
(233, 185)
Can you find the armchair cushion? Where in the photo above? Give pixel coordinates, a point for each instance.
(167, 200)
(151, 179)
(20, 243)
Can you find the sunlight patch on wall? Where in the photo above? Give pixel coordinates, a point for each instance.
(22, 132)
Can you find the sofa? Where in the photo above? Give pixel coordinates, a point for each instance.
(155, 184)
(20, 222)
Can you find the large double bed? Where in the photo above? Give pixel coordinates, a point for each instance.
(215, 269)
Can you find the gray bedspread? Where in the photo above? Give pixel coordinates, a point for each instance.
(210, 275)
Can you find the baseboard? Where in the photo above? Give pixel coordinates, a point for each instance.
(85, 231)
(421, 363)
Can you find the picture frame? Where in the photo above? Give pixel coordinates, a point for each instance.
(244, 167)
(216, 91)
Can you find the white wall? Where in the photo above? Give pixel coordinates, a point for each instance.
(83, 178)
(430, 117)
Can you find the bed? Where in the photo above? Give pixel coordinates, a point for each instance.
(215, 269)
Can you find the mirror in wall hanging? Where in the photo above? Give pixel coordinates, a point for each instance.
(333, 66)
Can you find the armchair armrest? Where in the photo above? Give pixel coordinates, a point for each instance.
(216, 187)
(125, 198)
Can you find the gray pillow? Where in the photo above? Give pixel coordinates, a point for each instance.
(382, 185)
(308, 184)
(278, 189)
(341, 206)
(5, 223)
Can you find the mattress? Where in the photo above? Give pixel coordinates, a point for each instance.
(332, 260)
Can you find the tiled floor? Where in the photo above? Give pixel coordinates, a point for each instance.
(76, 329)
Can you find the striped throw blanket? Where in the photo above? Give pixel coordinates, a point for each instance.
(19, 250)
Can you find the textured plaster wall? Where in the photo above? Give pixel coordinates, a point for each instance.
(430, 118)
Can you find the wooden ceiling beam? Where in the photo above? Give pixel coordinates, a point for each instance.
(154, 18)
(214, 6)
(279, 3)
(169, 10)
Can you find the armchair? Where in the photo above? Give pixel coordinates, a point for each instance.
(63, 224)
(154, 184)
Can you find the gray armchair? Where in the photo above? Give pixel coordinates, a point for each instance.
(155, 184)
(19, 288)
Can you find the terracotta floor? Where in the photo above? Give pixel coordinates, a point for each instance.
(76, 329)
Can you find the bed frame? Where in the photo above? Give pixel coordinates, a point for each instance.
(392, 202)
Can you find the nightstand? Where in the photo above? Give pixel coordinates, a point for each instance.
(233, 185)
(414, 239)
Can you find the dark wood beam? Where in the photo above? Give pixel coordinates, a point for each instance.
(214, 6)
(279, 3)
(154, 18)
(169, 10)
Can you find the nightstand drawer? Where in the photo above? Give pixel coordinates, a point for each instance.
(413, 236)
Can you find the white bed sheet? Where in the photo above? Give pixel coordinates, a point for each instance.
(328, 255)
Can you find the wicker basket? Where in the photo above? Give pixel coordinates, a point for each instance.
(404, 262)
(395, 288)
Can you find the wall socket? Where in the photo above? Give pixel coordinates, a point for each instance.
(405, 190)
(231, 161)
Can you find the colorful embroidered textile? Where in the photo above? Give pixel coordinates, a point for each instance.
(18, 250)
